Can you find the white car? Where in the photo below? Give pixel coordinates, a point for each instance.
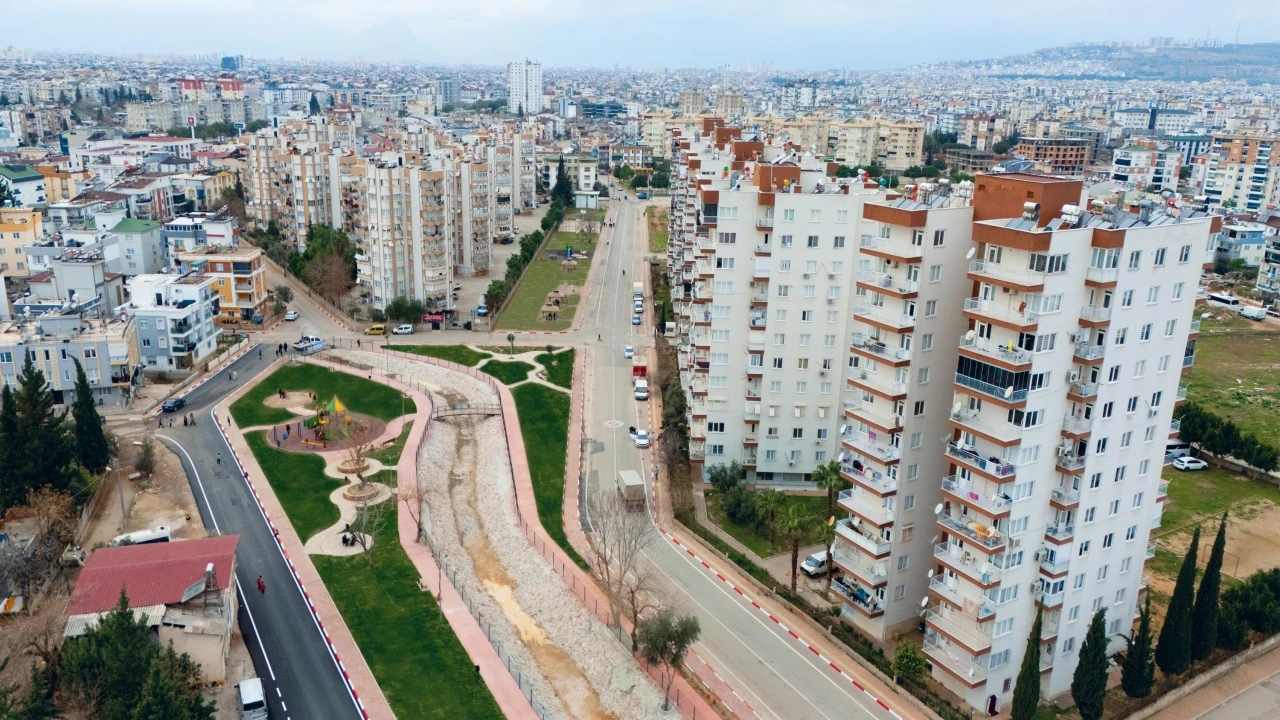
(402, 330)
(628, 352)
(642, 438)
(292, 315)
(1190, 463)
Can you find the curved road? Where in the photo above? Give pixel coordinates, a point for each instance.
(289, 653)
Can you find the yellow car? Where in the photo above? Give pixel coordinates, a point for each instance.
(376, 330)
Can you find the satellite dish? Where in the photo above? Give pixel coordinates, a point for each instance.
(929, 575)
(924, 601)
(934, 541)
(969, 255)
(844, 429)
(969, 335)
(956, 408)
(843, 456)
(831, 521)
(937, 509)
(1008, 392)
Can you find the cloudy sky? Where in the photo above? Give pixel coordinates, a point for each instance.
(815, 34)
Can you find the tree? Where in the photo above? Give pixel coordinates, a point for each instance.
(640, 596)
(405, 310)
(768, 502)
(1026, 693)
(314, 105)
(1204, 616)
(908, 663)
(618, 538)
(145, 462)
(370, 520)
(827, 477)
(1089, 684)
(563, 189)
(495, 294)
(35, 424)
(11, 485)
(1005, 144)
(1138, 674)
(664, 640)
(641, 180)
(660, 180)
(38, 704)
(413, 496)
(1173, 651)
(329, 275)
(793, 525)
(624, 173)
(91, 442)
(724, 477)
(102, 667)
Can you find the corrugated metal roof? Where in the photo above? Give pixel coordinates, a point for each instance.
(152, 574)
(78, 625)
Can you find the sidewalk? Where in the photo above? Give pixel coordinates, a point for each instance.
(1223, 689)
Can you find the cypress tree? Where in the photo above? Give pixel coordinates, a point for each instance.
(41, 451)
(1089, 684)
(39, 702)
(1173, 652)
(1138, 674)
(1026, 694)
(91, 442)
(10, 494)
(1204, 616)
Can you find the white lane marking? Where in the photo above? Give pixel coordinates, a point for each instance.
(258, 635)
(704, 650)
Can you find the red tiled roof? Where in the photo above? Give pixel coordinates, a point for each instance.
(155, 574)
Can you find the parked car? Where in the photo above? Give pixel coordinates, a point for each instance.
(376, 330)
(1189, 463)
(642, 438)
(816, 565)
(628, 352)
(1252, 313)
(635, 319)
(402, 330)
(291, 315)
(173, 404)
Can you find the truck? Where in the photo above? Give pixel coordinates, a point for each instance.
(631, 489)
(308, 344)
(1252, 313)
(637, 291)
(640, 377)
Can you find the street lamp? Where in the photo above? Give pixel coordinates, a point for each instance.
(120, 492)
(511, 338)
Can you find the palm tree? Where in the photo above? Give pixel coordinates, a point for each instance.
(768, 503)
(827, 477)
(793, 525)
(828, 529)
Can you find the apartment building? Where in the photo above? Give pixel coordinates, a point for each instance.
(1068, 373)
(174, 318)
(692, 101)
(18, 227)
(524, 88)
(895, 146)
(239, 275)
(193, 232)
(1055, 156)
(581, 170)
(139, 245)
(729, 104)
(24, 183)
(57, 338)
(1148, 167)
(1242, 171)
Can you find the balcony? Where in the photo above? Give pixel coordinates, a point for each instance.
(995, 506)
(873, 479)
(867, 506)
(1151, 551)
(1089, 353)
(1057, 565)
(974, 567)
(1175, 426)
(993, 466)
(873, 545)
(972, 531)
(763, 250)
(956, 662)
(1162, 491)
(1005, 312)
(884, 317)
(1077, 425)
(952, 595)
(1051, 600)
(764, 221)
(868, 444)
(896, 249)
(1095, 314)
(1182, 394)
(879, 349)
(857, 596)
(758, 320)
(888, 283)
(871, 573)
(990, 390)
(1007, 353)
(1188, 361)
(998, 274)
(1101, 276)
(1071, 462)
(1083, 390)
(971, 634)
(873, 381)
(1064, 497)
(1061, 533)
(1195, 327)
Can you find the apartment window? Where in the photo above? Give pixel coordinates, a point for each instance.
(1107, 407)
(1169, 327)
(797, 433)
(1003, 627)
(1069, 645)
(899, 592)
(1137, 499)
(784, 266)
(1089, 514)
(930, 308)
(842, 216)
(833, 292)
(1177, 291)
(926, 341)
(1145, 334)
(922, 376)
(1159, 257)
(1097, 604)
(939, 237)
(1018, 526)
(718, 382)
(777, 363)
(775, 386)
(805, 339)
(833, 316)
(1073, 614)
(779, 338)
(1143, 467)
(812, 241)
(1163, 365)
(1139, 368)
(913, 471)
(903, 560)
(802, 387)
(1126, 299)
(715, 427)
(806, 316)
(908, 503)
(1184, 253)
(1156, 397)
(1126, 563)
(1039, 381)
(1102, 573)
(1114, 508)
(802, 363)
(1040, 262)
(1153, 294)
(724, 263)
(1126, 439)
(770, 455)
(721, 311)
(1121, 335)
(837, 266)
(1077, 582)
(828, 340)
(916, 440)
(789, 215)
(1149, 434)
(1045, 343)
(785, 240)
(715, 449)
(1107, 539)
(1135, 259)
(719, 358)
(1119, 599)
(1100, 447)
(727, 238)
(719, 336)
(1130, 534)
(724, 287)
(820, 456)
(815, 216)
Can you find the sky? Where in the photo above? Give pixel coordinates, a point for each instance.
(810, 34)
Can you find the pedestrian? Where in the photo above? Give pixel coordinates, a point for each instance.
(160, 422)
(357, 342)
(170, 422)
(184, 421)
(219, 456)
(262, 586)
(259, 353)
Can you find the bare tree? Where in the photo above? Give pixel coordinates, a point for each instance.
(330, 276)
(361, 436)
(413, 497)
(40, 561)
(617, 539)
(641, 596)
(145, 462)
(370, 519)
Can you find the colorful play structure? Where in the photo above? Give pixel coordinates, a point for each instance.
(321, 420)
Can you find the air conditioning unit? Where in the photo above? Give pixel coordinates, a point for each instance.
(817, 442)
(1153, 412)
(791, 463)
(831, 276)
(1073, 376)
(831, 301)
(751, 283)
(1006, 290)
(822, 373)
(806, 276)
(1079, 337)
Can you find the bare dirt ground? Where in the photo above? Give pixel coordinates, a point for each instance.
(239, 667)
(1253, 541)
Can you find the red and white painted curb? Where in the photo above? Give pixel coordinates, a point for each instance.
(293, 572)
(160, 407)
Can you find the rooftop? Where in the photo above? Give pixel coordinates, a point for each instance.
(20, 173)
(154, 574)
(130, 225)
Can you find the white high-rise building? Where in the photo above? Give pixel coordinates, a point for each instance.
(524, 87)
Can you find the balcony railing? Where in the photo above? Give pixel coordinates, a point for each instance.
(872, 544)
(939, 585)
(900, 321)
(997, 272)
(975, 567)
(866, 505)
(1095, 314)
(1188, 361)
(857, 595)
(1057, 565)
(863, 442)
(1182, 393)
(1049, 599)
(1101, 275)
(972, 530)
(1002, 310)
(1090, 352)
(954, 659)
(992, 466)
(876, 382)
(873, 573)
(1084, 389)
(1162, 490)
(1065, 496)
(957, 625)
(1151, 551)
(987, 388)
(1077, 425)
(865, 476)
(897, 248)
(758, 321)
(888, 282)
(879, 348)
(1061, 532)
(1195, 326)
(1175, 426)
(993, 506)
(1071, 462)
(1008, 352)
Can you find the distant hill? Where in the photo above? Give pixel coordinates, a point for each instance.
(1256, 64)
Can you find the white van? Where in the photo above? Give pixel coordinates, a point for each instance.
(253, 702)
(159, 534)
(1176, 449)
(642, 389)
(1252, 313)
(1224, 299)
(308, 344)
(816, 565)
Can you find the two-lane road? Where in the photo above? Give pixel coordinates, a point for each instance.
(289, 653)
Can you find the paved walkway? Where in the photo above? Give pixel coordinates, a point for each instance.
(1251, 691)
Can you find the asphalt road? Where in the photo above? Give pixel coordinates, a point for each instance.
(289, 653)
(776, 675)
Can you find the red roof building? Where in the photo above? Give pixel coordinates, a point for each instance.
(154, 574)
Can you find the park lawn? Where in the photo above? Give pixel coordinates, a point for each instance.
(510, 372)
(390, 455)
(358, 394)
(562, 372)
(453, 353)
(1221, 360)
(411, 649)
(658, 233)
(757, 541)
(544, 425)
(300, 484)
(540, 278)
(1203, 495)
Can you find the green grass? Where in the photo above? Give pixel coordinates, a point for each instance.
(562, 372)
(413, 653)
(541, 277)
(300, 484)
(453, 353)
(757, 540)
(390, 455)
(658, 233)
(544, 425)
(386, 477)
(509, 373)
(1204, 494)
(1225, 357)
(359, 395)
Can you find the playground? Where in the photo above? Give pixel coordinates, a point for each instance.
(324, 425)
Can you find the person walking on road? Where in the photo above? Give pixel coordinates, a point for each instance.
(262, 586)
(219, 458)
